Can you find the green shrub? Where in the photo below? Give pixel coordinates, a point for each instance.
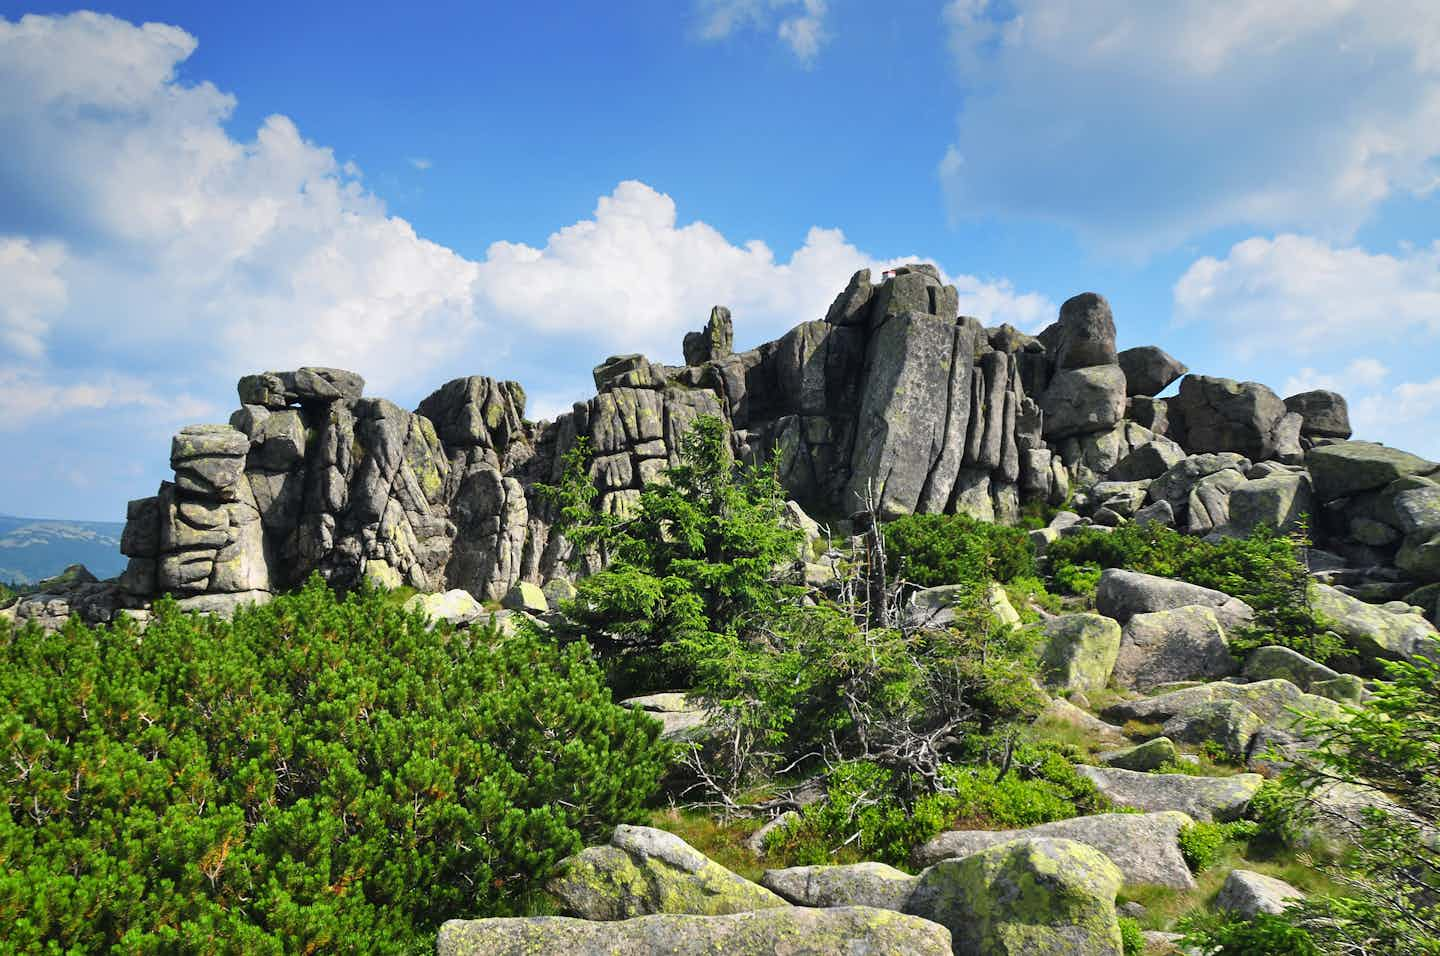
(930, 550)
(870, 813)
(1224, 934)
(1132, 938)
(316, 775)
(1078, 579)
(1202, 844)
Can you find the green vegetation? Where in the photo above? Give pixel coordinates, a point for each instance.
(1132, 938)
(863, 817)
(1201, 843)
(697, 578)
(931, 550)
(317, 775)
(1264, 570)
(1223, 934)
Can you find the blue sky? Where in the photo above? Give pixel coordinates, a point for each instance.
(190, 192)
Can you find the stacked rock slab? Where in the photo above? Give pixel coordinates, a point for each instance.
(892, 401)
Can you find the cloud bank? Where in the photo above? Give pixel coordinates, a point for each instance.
(1142, 125)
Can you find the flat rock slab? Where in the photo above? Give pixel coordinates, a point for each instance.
(1204, 798)
(1123, 594)
(1247, 894)
(794, 931)
(1145, 846)
(858, 884)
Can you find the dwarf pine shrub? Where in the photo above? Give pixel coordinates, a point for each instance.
(317, 775)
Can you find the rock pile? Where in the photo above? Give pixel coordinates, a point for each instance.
(892, 396)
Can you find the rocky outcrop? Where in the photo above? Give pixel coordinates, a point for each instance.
(892, 400)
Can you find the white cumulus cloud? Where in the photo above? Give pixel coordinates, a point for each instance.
(1143, 124)
(634, 277)
(33, 291)
(1306, 295)
(799, 24)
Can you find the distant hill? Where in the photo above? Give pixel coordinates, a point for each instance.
(32, 549)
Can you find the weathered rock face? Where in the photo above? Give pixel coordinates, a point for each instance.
(892, 400)
(1161, 647)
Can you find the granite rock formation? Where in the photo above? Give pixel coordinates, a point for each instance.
(892, 401)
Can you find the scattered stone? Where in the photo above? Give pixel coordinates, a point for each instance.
(1223, 722)
(1277, 501)
(800, 930)
(1079, 651)
(1324, 414)
(644, 871)
(1204, 798)
(1184, 643)
(1145, 846)
(455, 607)
(1061, 711)
(1220, 415)
(1086, 333)
(1145, 757)
(1150, 460)
(1273, 661)
(1148, 370)
(682, 717)
(527, 597)
(1248, 894)
(1083, 400)
(858, 884)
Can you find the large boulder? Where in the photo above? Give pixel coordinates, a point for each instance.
(858, 884)
(1181, 644)
(1123, 594)
(1271, 700)
(1347, 468)
(1247, 894)
(1277, 501)
(794, 931)
(1180, 479)
(1079, 651)
(455, 607)
(1025, 897)
(1323, 414)
(682, 717)
(1275, 662)
(1145, 846)
(1218, 414)
(1151, 755)
(1084, 335)
(1150, 460)
(1227, 723)
(1204, 798)
(1148, 369)
(1081, 400)
(645, 871)
(1375, 631)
